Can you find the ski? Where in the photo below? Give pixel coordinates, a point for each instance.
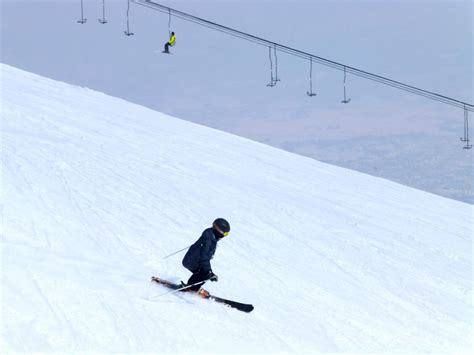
(232, 304)
(164, 52)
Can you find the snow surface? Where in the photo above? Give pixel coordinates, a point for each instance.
(96, 191)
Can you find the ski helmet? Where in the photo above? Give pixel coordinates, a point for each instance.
(222, 225)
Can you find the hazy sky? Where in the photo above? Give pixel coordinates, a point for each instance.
(220, 81)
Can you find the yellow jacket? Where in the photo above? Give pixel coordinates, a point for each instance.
(172, 40)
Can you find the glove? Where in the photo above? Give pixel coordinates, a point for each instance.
(212, 276)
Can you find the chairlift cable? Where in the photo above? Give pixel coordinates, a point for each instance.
(310, 93)
(272, 81)
(304, 55)
(169, 23)
(276, 63)
(261, 41)
(103, 20)
(82, 20)
(127, 32)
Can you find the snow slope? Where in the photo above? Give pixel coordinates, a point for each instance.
(96, 191)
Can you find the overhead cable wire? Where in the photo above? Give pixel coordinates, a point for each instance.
(305, 55)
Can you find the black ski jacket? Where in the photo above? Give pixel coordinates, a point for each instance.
(199, 255)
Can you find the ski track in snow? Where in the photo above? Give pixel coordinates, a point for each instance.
(97, 191)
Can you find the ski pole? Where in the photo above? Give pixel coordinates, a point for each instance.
(179, 289)
(176, 252)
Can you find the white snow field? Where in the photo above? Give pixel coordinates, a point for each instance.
(96, 191)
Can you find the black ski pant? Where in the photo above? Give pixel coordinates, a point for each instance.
(196, 277)
(167, 45)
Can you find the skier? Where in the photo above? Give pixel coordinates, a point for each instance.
(199, 255)
(171, 43)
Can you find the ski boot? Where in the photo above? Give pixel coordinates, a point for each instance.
(203, 293)
(183, 287)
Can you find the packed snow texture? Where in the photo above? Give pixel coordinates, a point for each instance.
(96, 191)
